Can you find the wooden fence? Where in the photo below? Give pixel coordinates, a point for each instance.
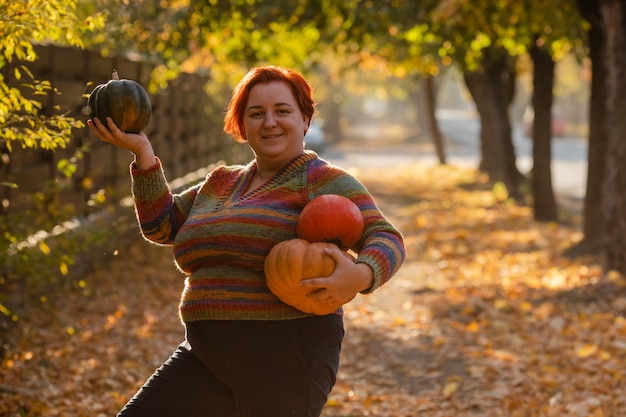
(185, 130)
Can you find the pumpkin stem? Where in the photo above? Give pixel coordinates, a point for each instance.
(115, 76)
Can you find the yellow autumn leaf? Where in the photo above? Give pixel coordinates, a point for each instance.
(421, 221)
(450, 388)
(332, 402)
(43, 246)
(398, 321)
(500, 191)
(473, 327)
(613, 275)
(586, 351)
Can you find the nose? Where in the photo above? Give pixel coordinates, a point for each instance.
(270, 120)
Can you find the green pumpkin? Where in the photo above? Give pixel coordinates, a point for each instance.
(125, 101)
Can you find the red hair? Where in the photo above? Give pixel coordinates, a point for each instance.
(302, 91)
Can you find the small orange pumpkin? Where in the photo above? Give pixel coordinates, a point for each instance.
(331, 218)
(292, 261)
(125, 101)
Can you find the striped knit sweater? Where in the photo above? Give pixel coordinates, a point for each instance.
(221, 234)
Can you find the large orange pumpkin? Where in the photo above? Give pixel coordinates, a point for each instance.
(331, 218)
(292, 261)
(125, 101)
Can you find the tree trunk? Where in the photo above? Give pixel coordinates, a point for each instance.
(491, 147)
(332, 122)
(614, 192)
(492, 90)
(430, 108)
(593, 220)
(416, 93)
(544, 204)
(331, 112)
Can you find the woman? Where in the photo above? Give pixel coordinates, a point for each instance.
(246, 353)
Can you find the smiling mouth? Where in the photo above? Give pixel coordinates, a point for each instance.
(273, 136)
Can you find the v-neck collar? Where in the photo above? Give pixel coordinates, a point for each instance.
(239, 193)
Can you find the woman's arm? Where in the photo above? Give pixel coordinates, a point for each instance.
(160, 213)
(380, 252)
(138, 144)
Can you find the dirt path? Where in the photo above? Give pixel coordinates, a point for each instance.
(485, 318)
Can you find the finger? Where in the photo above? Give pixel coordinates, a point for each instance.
(98, 125)
(334, 253)
(315, 291)
(98, 129)
(321, 296)
(113, 128)
(316, 294)
(98, 122)
(338, 255)
(319, 283)
(93, 123)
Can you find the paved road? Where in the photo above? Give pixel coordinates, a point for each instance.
(569, 155)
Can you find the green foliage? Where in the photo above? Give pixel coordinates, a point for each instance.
(467, 30)
(21, 118)
(226, 37)
(32, 259)
(23, 24)
(39, 246)
(154, 30)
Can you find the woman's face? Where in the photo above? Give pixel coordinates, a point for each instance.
(274, 125)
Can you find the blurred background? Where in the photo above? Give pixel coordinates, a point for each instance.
(491, 132)
(525, 91)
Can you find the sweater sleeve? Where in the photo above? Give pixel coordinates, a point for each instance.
(159, 212)
(381, 245)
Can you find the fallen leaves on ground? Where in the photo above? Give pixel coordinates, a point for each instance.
(486, 318)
